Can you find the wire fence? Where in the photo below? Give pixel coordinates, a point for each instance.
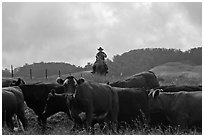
(31, 73)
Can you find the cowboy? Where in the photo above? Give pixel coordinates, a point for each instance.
(100, 56)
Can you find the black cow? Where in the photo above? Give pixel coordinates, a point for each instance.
(57, 103)
(35, 96)
(7, 82)
(13, 103)
(62, 103)
(91, 98)
(181, 108)
(146, 80)
(133, 104)
(95, 99)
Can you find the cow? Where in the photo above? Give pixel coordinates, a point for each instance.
(7, 82)
(95, 99)
(182, 108)
(35, 96)
(174, 88)
(56, 103)
(132, 103)
(159, 118)
(61, 103)
(146, 80)
(92, 98)
(13, 103)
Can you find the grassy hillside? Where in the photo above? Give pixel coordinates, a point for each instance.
(176, 73)
(179, 73)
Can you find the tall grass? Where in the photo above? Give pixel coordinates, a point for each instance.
(60, 125)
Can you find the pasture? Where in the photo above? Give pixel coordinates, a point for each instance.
(59, 124)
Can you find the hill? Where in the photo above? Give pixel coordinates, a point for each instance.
(177, 68)
(139, 60)
(174, 72)
(127, 64)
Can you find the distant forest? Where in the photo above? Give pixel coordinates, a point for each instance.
(128, 63)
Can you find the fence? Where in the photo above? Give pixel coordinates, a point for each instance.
(31, 74)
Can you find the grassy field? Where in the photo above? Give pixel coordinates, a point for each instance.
(60, 124)
(178, 74)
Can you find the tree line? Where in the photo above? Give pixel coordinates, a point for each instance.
(139, 60)
(128, 63)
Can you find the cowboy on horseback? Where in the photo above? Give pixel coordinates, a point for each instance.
(100, 56)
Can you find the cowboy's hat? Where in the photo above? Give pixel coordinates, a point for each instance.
(100, 49)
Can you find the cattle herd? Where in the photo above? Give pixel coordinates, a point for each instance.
(139, 97)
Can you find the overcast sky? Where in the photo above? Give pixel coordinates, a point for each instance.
(72, 32)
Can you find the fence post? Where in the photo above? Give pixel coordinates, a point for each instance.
(12, 71)
(59, 74)
(30, 73)
(46, 74)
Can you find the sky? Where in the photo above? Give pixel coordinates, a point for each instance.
(72, 32)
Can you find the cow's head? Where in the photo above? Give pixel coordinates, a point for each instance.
(70, 83)
(56, 103)
(18, 82)
(154, 100)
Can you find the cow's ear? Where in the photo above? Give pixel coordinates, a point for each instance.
(22, 82)
(80, 81)
(150, 91)
(60, 81)
(13, 83)
(156, 93)
(50, 95)
(18, 82)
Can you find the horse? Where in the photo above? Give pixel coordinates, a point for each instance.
(100, 67)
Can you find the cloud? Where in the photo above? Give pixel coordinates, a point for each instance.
(72, 32)
(193, 11)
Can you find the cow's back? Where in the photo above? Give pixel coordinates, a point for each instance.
(150, 77)
(174, 88)
(145, 80)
